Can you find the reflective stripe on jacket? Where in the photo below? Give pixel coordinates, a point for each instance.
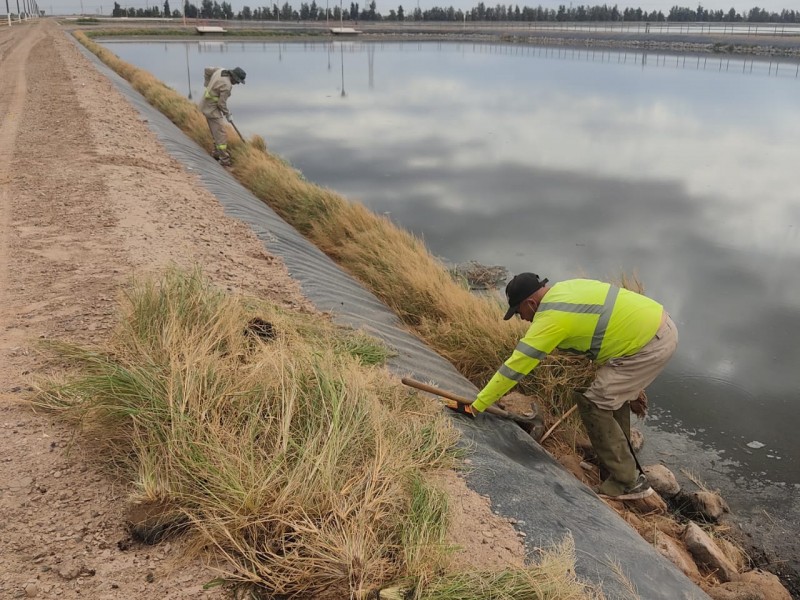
(215, 97)
(583, 315)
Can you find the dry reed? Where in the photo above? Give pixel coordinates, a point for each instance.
(302, 465)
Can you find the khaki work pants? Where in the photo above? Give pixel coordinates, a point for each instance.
(621, 379)
(218, 132)
(605, 410)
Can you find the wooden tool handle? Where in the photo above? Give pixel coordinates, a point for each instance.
(494, 410)
(434, 390)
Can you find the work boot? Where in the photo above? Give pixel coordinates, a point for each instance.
(611, 446)
(640, 489)
(223, 157)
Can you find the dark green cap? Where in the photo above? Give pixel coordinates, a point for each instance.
(237, 75)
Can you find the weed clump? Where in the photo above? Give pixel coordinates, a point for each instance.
(299, 462)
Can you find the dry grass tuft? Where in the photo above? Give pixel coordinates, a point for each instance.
(302, 465)
(552, 577)
(258, 143)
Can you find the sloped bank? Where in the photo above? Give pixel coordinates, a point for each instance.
(523, 481)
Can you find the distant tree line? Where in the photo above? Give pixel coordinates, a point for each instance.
(211, 9)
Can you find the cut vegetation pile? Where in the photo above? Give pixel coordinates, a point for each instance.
(278, 440)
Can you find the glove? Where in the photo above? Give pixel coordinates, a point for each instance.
(464, 409)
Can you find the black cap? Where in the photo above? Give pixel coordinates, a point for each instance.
(238, 74)
(520, 288)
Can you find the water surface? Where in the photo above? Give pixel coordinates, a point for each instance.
(570, 163)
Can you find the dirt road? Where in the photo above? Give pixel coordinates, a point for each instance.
(87, 199)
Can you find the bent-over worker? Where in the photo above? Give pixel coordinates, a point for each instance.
(214, 105)
(629, 336)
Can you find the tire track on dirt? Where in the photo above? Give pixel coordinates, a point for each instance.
(12, 101)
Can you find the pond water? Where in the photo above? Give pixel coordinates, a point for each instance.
(683, 169)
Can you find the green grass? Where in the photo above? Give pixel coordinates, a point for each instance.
(551, 578)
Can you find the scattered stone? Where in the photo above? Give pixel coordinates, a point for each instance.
(767, 582)
(32, 590)
(704, 505)
(753, 585)
(677, 555)
(670, 527)
(662, 480)
(69, 571)
(637, 439)
(708, 554)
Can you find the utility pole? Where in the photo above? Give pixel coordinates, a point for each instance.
(8, 14)
(19, 14)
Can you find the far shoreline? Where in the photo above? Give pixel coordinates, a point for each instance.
(694, 43)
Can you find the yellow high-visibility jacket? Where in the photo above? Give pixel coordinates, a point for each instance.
(579, 315)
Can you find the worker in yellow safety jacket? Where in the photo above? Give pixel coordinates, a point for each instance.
(631, 338)
(214, 105)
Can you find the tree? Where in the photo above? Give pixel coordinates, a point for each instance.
(190, 10)
(227, 10)
(167, 11)
(401, 14)
(117, 12)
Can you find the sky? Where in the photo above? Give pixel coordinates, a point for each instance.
(104, 6)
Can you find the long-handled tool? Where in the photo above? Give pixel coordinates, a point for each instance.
(236, 129)
(529, 424)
